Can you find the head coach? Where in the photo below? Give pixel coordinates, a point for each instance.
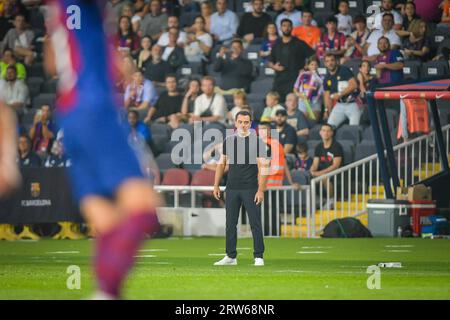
(248, 158)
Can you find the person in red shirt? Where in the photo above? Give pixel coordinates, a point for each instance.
(332, 41)
(307, 32)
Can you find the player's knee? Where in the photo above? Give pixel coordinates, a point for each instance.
(137, 195)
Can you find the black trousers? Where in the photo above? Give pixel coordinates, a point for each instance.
(234, 200)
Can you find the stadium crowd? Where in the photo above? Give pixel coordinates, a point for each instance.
(298, 64)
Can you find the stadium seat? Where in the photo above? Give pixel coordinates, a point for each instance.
(34, 86)
(187, 18)
(356, 7)
(347, 132)
(321, 17)
(322, 5)
(252, 52)
(160, 141)
(189, 70)
(369, 3)
(176, 177)
(314, 133)
(44, 99)
(365, 149)
(49, 86)
(160, 129)
(36, 70)
(203, 178)
(240, 5)
(411, 69)
(312, 144)
(265, 72)
(367, 134)
(164, 161)
(434, 68)
(192, 168)
(261, 86)
(348, 146)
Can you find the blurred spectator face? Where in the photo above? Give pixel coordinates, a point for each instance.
(236, 49)
(156, 53)
(155, 7)
(277, 5)
(127, 11)
(291, 102)
(194, 86)
(46, 112)
(271, 100)
(24, 145)
(207, 87)
(146, 43)
(238, 101)
(271, 29)
(8, 57)
(199, 24)
(422, 31)
(365, 68)
(124, 24)
(173, 36)
(307, 18)
(326, 133)
(11, 74)
(132, 119)
(288, 5)
(19, 22)
(387, 22)
(331, 27)
(383, 45)
(409, 9)
(57, 148)
(206, 9)
(139, 5)
(330, 63)
(286, 28)
(221, 6)
(263, 132)
(171, 84)
(386, 5)
(138, 78)
(258, 6)
(343, 8)
(280, 119)
(360, 26)
(173, 22)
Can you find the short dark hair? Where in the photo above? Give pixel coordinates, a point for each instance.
(302, 147)
(243, 113)
(329, 54)
(134, 112)
(171, 75)
(388, 14)
(328, 125)
(237, 40)
(360, 19)
(286, 20)
(384, 38)
(265, 124)
(332, 19)
(307, 11)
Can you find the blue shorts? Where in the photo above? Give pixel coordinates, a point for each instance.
(97, 145)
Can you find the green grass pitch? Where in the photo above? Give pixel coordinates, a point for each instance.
(181, 268)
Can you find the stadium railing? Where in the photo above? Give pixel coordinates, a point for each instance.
(360, 181)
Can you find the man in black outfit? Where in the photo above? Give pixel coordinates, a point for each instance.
(288, 56)
(253, 24)
(248, 159)
(236, 72)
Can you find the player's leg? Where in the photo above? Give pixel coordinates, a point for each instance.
(254, 215)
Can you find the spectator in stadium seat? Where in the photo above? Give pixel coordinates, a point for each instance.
(371, 47)
(43, 131)
(332, 41)
(9, 59)
(236, 72)
(168, 107)
(289, 13)
(125, 78)
(191, 93)
(27, 158)
(328, 156)
(140, 93)
(309, 89)
(355, 43)
(418, 45)
(57, 158)
(199, 43)
(145, 52)
(127, 40)
(156, 69)
(387, 7)
(287, 58)
(224, 23)
(303, 161)
(340, 92)
(445, 19)
(286, 133)
(364, 78)
(272, 106)
(253, 24)
(410, 20)
(296, 119)
(172, 22)
(14, 91)
(138, 130)
(20, 39)
(153, 22)
(209, 106)
(173, 53)
(275, 6)
(307, 32)
(270, 37)
(301, 5)
(128, 11)
(389, 63)
(344, 19)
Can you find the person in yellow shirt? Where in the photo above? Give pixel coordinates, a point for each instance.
(307, 32)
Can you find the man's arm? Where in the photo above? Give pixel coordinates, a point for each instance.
(288, 148)
(220, 169)
(337, 161)
(263, 174)
(314, 166)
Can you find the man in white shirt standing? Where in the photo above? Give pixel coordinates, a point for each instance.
(14, 92)
(210, 106)
(371, 46)
(172, 22)
(387, 7)
(224, 23)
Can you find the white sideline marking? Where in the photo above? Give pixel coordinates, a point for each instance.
(317, 247)
(397, 250)
(159, 262)
(307, 252)
(217, 254)
(62, 252)
(289, 271)
(243, 248)
(146, 256)
(153, 250)
(400, 246)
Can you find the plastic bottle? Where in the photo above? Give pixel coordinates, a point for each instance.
(399, 232)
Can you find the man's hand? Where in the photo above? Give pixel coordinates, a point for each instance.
(380, 66)
(259, 197)
(249, 37)
(295, 185)
(222, 52)
(216, 192)
(278, 67)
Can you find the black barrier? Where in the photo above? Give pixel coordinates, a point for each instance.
(44, 197)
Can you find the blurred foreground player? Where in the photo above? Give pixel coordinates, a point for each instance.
(113, 194)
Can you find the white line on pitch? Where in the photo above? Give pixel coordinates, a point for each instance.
(153, 250)
(397, 250)
(317, 247)
(62, 252)
(400, 246)
(146, 256)
(217, 254)
(310, 252)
